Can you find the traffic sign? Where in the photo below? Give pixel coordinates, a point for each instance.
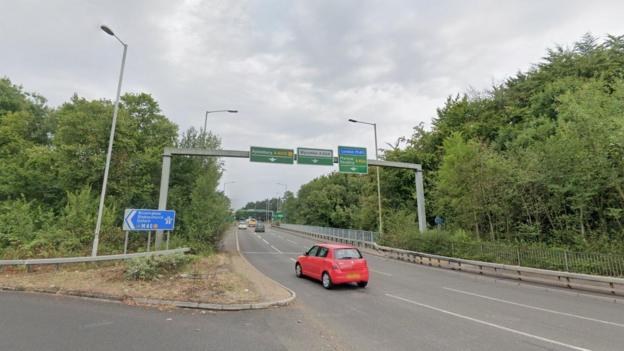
(148, 219)
(271, 155)
(319, 157)
(279, 215)
(352, 160)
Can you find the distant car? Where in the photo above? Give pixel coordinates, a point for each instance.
(242, 225)
(251, 222)
(333, 264)
(259, 227)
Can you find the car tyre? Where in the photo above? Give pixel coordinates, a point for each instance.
(326, 280)
(298, 271)
(362, 284)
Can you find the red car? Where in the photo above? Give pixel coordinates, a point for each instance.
(333, 264)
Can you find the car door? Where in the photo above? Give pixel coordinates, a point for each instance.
(307, 261)
(320, 260)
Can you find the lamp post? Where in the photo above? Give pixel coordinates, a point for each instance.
(285, 189)
(215, 111)
(98, 225)
(377, 168)
(226, 183)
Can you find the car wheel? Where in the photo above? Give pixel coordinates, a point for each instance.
(327, 283)
(298, 271)
(362, 284)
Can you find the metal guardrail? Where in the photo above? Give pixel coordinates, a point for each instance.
(352, 234)
(580, 281)
(70, 260)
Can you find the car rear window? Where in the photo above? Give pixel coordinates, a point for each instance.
(344, 254)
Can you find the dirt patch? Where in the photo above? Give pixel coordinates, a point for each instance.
(217, 279)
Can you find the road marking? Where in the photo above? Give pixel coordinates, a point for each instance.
(290, 241)
(292, 259)
(275, 248)
(266, 241)
(534, 307)
(270, 253)
(379, 272)
(489, 324)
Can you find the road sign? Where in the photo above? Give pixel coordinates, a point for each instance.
(148, 219)
(352, 160)
(279, 215)
(319, 157)
(271, 155)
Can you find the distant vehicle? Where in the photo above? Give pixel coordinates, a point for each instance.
(242, 225)
(251, 222)
(333, 264)
(259, 227)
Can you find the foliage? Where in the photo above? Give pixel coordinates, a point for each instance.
(51, 167)
(151, 267)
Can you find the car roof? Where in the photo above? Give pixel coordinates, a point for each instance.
(337, 246)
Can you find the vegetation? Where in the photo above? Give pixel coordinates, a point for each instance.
(536, 159)
(51, 168)
(152, 267)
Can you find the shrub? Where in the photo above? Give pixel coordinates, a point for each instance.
(150, 268)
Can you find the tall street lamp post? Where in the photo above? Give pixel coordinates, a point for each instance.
(98, 225)
(226, 183)
(278, 199)
(215, 111)
(377, 168)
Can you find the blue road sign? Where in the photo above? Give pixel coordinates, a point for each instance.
(148, 219)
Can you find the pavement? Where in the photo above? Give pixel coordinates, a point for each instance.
(404, 307)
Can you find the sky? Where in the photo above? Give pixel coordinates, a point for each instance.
(295, 70)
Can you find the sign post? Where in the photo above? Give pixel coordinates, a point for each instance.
(352, 160)
(271, 155)
(147, 220)
(318, 157)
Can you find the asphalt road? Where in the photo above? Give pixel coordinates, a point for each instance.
(404, 307)
(414, 307)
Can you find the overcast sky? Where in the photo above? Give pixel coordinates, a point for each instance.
(296, 70)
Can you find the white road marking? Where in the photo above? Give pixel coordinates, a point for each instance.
(554, 342)
(266, 241)
(275, 248)
(379, 272)
(535, 307)
(292, 259)
(290, 241)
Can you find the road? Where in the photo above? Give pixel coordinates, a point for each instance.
(414, 307)
(404, 307)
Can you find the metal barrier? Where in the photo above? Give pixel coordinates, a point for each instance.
(580, 281)
(351, 234)
(70, 260)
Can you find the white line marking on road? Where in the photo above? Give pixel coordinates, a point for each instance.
(269, 253)
(379, 272)
(534, 307)
(292, 259)
(266, 241)
(489, 324)
(275, 248)
(290, 241)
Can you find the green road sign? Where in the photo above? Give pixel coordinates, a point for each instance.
(352, 160)
(279, 215)
(319, 157)
(271, 155)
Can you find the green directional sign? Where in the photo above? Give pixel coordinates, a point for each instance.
(319, 157)
(279, 215)
(271, 155)
(352, 160)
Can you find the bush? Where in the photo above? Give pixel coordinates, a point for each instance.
(150, 268)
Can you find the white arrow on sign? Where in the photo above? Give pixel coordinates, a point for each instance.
(128, 219)
(353, 168)
(315, 160)
(272, 159)
(168, 220)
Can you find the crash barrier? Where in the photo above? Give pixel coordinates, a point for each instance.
(579, 281)
(351, 234)
(29, 263)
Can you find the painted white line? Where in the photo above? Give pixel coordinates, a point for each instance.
(275, 248)
(292, 259)
(379, 272)
(554, 342)
(290, 241)
(266, 241)
(535, 307)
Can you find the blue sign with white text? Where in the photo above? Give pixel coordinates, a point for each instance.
(136, 219)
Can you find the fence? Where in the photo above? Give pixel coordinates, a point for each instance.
(526, 256)
(351, 234)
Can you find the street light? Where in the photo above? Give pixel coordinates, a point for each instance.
(378, 183)
(98, 225)
(226, 183)
(285, 190)
(207, 112)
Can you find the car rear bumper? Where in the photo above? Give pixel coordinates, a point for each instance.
(349, 277)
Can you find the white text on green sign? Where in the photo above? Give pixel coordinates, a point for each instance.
(319, 157)
(352, 160)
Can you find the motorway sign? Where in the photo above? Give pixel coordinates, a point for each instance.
(352, 160)
(148, 219)
(271, 155)
(319, 157)
(279, 215)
